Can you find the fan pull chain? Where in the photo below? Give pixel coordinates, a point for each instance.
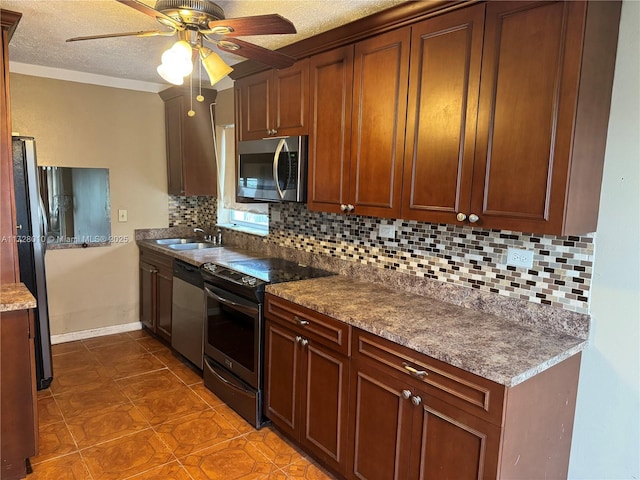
(200, 98)
(191, 112)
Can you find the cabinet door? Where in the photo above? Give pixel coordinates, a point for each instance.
(446, 52)
(452, 444)
(281, 379)
(331, 83)
(253, 105)
(173, 112)
(291, 100)
(380, 425)
(380, 83)
(148, 295)
(164, 298)
(324, 405)
(530, 76)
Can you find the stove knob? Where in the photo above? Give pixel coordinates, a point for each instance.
(248, 281)
(211, 267)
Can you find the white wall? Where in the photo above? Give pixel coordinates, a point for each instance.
(606, 438)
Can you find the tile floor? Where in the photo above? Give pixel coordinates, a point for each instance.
(124, 407)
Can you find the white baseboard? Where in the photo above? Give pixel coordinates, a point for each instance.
(95, 332)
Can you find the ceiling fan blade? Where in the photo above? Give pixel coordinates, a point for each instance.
(152, 12)
(148, 33)
(256, 25)
(254, 52)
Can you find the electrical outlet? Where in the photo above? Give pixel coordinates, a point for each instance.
(122, 215)
(519, 258)
(387, 231)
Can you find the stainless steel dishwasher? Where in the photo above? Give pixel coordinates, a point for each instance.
(187, 324)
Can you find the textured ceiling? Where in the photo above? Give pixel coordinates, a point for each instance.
(46, 24)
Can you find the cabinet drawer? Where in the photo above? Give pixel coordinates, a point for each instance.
(313, 325)
(469, 392)
(156, 259)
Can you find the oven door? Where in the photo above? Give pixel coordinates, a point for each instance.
(233, 330)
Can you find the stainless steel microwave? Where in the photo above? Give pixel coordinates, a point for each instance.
(272, 170)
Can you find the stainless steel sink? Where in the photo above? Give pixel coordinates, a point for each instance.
(191, 246)
(175, 241)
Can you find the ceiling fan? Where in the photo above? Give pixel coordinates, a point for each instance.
(198, 21)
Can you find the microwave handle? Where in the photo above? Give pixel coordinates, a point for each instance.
(276, 158)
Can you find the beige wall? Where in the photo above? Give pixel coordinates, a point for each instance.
(225, 107)
(82, 125)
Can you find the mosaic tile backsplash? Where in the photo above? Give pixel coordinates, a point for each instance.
(560, 277)
(195, 211)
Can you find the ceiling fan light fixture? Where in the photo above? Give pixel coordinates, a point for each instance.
(214, 65)
(169, 75)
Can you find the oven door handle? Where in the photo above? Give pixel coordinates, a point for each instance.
(238, 306)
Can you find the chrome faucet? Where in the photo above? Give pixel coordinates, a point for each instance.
(196, 230)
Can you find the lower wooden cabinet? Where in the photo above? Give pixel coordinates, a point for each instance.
(156, 292)
(414, 417)
(370, 409)
(401, 432)
(306, 383)
(18, 399)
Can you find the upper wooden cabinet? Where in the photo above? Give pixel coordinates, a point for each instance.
(518, 142)
(191, 160)
(9, 271)
(446, 52)
(545, 93)
(358, 111)
(273, 103)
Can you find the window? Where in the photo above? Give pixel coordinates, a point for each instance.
(248, 217)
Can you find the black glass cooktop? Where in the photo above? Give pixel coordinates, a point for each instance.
(261, 271)
(276, 270)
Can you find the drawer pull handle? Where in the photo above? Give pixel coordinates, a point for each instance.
(406, 394)
(300, 321)
(414, 372)
(416, 400)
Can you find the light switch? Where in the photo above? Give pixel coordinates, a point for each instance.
(122, 215)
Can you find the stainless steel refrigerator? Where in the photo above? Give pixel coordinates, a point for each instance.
(32, 245)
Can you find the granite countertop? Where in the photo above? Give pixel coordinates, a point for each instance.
(15, 296)
(501, 350)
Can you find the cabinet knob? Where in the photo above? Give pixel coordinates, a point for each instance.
(343, 207)
(406, 394)
(416, 400)
(298, 338)
(304, 342)
(461, 217)
(473, 218)
(300, 321)
(350, 208)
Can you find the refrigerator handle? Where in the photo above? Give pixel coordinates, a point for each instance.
(45, 223)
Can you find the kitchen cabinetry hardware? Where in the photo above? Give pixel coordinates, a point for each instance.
(304, 342)
(406, 394)
(298, 338)
(461, 217)
(343, 207)
(416, 400)
(350, 208)
(413, 371)
(473, 218)
(301, 321)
